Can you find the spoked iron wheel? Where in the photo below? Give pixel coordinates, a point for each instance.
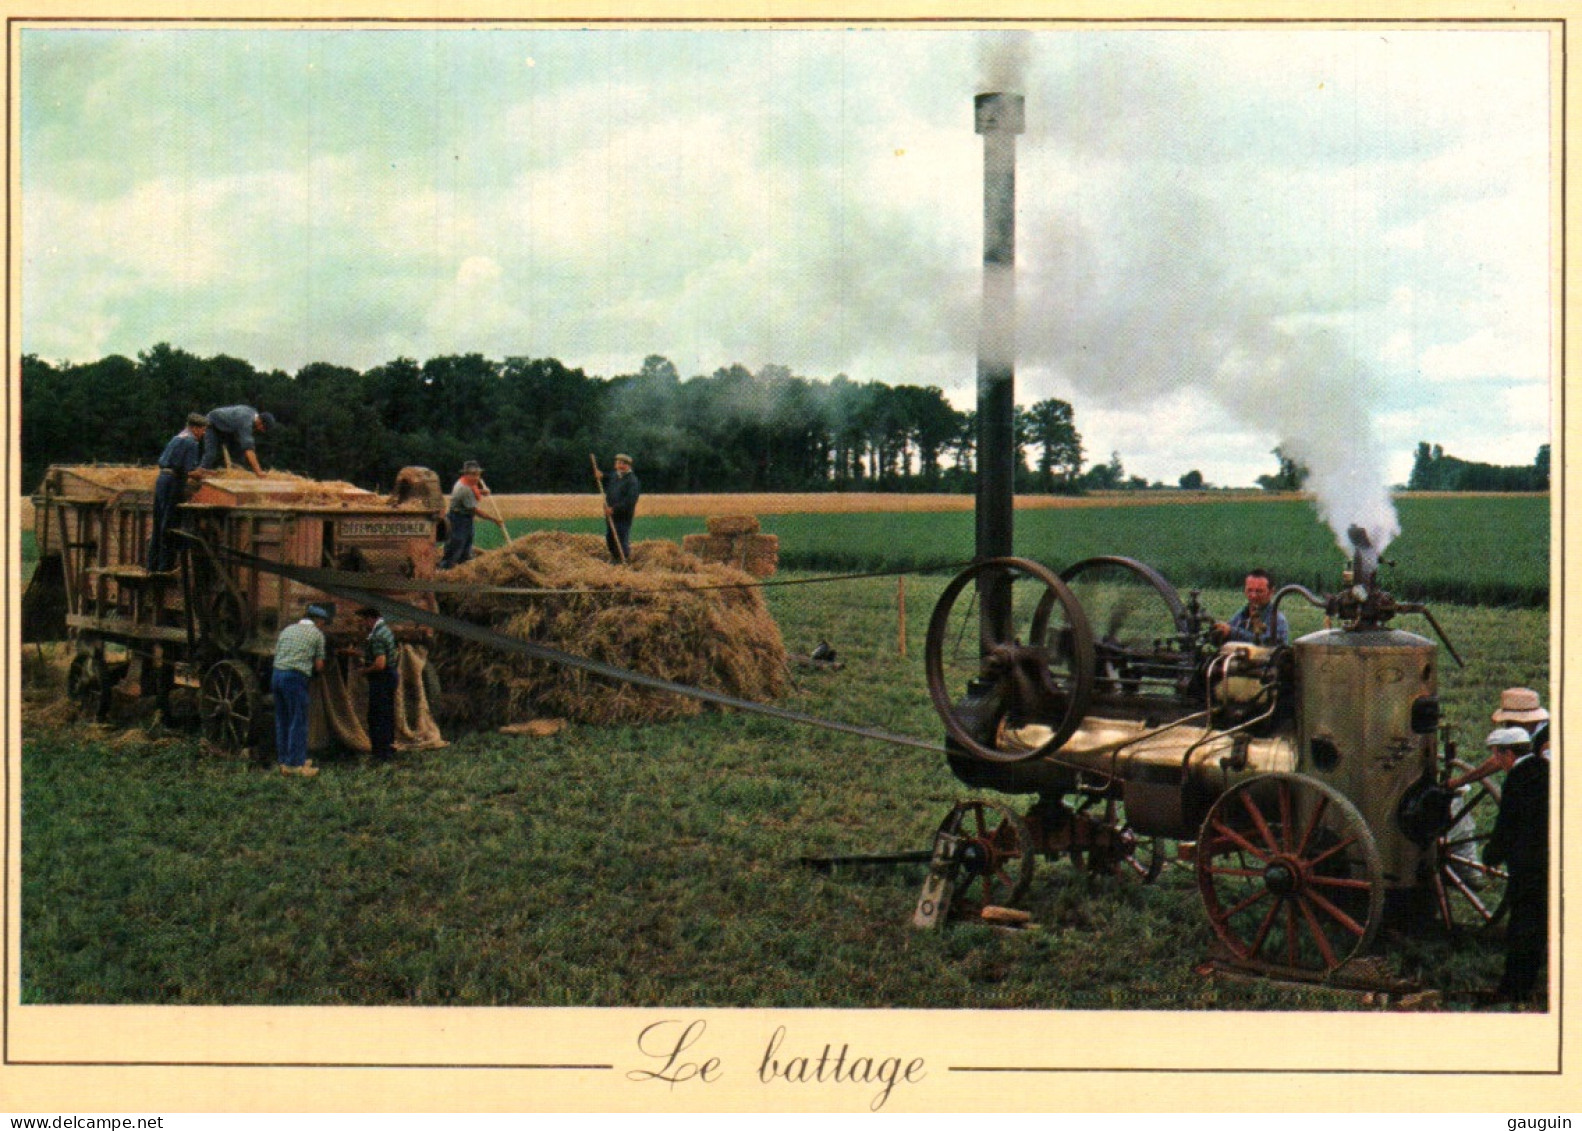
(231, 705)
(88, 685)
(1289, 874)
(1033, 654)
(1466, 890)
(995, 856)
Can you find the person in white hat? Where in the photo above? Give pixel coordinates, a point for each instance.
(1520, 841)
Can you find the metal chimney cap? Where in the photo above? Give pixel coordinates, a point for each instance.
(1000, 113)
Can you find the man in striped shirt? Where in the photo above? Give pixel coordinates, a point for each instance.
(299, 655)
(381, 654)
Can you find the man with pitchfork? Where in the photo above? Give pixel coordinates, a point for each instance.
(621, 493)
(464, 499)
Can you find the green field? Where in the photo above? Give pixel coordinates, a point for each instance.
(1483, 550)
(624, 866)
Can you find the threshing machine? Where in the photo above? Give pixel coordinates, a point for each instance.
(212, 622)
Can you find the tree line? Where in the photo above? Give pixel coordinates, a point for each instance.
(1433, 470)
(532, 423)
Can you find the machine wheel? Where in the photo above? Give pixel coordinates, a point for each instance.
(225, 621)
(995, 856)
(230, 705)
(1144, 857)
(1466, 890)
(1039, 677)
(88, 685)
(1289, 874)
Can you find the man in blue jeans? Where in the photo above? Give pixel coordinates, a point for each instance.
(299, 655)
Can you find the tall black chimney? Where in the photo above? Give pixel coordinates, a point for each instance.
(999, 120)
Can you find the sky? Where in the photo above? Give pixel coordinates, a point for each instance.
(1228, 238)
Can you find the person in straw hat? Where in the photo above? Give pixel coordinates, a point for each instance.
(464, 499)
(1520, 841)
(1520, 706)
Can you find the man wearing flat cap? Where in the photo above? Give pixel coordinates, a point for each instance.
(465, 496)
(231, 429)
(1520, 841)
(177, 463)
(299, 656)
(621, 492)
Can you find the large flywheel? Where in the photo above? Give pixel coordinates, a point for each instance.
(1028, 665)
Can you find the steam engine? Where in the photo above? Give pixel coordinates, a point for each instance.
(1306, 779)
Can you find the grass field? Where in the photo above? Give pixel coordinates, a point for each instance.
(1452, 548)
(622, 866)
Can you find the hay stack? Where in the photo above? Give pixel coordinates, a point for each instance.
(733, 539)
(640, 617)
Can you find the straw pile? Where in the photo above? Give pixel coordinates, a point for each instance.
(733, 539)
(644, 618)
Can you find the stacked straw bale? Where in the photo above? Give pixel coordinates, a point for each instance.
(659, 616)
(733, 539)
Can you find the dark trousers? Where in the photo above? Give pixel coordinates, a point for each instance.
(381, 713)
(1526, 935)
(168, 491)
(290, 690)
(458, 547)
(214, 440)
(624, 531)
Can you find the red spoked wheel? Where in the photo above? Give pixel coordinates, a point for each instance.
(993, 854)
(1289, 874)
(1466, 890)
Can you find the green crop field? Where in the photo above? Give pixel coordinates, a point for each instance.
(626, 865)
(1481, 550)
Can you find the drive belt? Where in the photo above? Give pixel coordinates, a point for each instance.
(370, 589)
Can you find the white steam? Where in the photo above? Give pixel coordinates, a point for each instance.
(1004, 61)
(1133, 288)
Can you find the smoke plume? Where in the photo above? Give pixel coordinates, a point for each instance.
(1135, 287)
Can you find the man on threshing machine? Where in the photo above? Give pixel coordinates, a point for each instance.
(179, 461)
(231, 430)
(465, 496)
